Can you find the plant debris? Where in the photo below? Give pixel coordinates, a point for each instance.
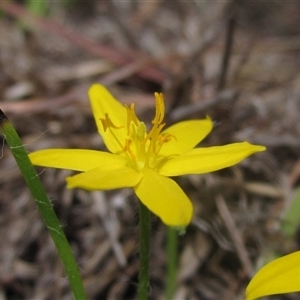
(237, 62)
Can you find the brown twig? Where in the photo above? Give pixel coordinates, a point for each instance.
(227, 53)
(235, 235)
(75, 38)
(80, 93)
(181, 113)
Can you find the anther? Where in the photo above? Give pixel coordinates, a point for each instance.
(107, 123)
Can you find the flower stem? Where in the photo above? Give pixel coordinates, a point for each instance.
(172, 257)
(44, 205)
(144, 252)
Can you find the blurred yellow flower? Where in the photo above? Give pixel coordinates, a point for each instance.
(144, 159)
(280, 276)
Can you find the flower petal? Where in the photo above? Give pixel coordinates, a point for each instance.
(164, 198)
(101, 179)
(277, 277)
(76, 159)
(204, 160)
(102, 103)
(187, 135)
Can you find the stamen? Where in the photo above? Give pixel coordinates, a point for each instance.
(162, 139)
(159, 108)
(117, 140)
(154, 132)
(131, 117)
(141, 148)
(107, 123)
(141, 131)
(127, 148)
(134, 118)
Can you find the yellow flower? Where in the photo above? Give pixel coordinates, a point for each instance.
(144, 159)
(280, 276)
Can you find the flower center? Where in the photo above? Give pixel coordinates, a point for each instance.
(140, 147)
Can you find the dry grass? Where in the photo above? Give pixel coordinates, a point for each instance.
(251, 91)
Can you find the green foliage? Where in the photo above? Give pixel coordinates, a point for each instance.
(38, 7)
(292, 216)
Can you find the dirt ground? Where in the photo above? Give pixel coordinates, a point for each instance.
(236, 61)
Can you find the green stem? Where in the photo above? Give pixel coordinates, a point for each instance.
(172, 258)
(44, 205)
(144, 252)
